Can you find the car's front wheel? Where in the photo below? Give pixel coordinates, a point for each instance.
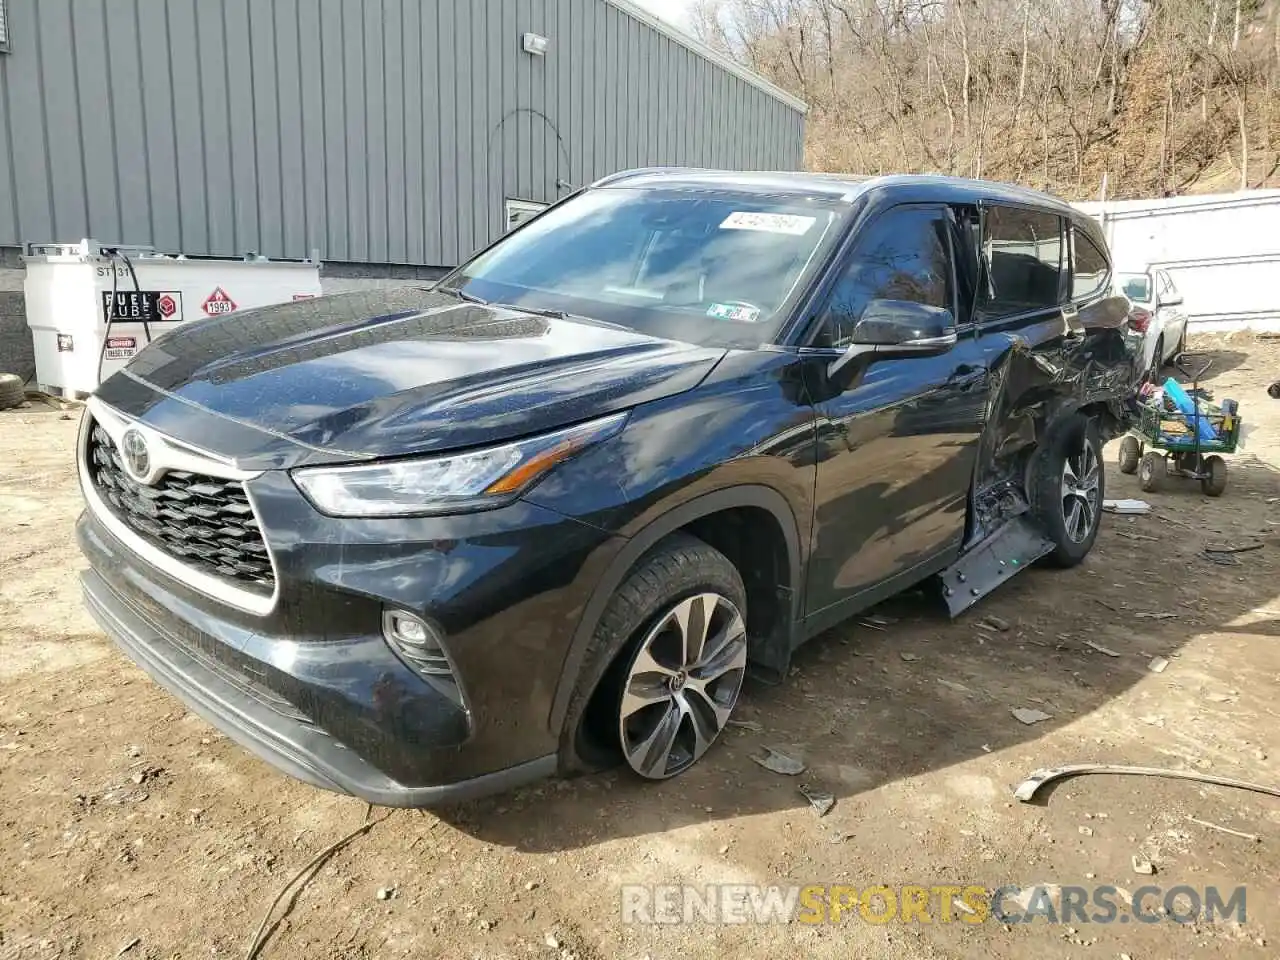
(681, 684)
(674, 637)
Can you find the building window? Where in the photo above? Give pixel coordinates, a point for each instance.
(518, 211)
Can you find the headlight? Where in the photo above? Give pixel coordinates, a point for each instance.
(452, 483)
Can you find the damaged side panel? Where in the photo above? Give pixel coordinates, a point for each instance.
(1039, 373)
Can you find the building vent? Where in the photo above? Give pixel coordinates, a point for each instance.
(518, 211)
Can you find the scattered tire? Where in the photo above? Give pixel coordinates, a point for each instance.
(1130, 454)
(1152, 471)
(12, 391)
(1067, 488)
(1273, 391)
(1216, 482)
(629, 649)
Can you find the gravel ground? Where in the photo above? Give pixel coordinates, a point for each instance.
(133, 828)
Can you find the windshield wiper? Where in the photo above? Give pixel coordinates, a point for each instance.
(548, 312)
(565, 315)
(536, 311)
(463, 295)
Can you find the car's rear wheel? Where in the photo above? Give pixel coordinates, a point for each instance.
(666, 664)
(1067, 489)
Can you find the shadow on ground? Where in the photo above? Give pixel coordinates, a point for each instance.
(1205, 364)
(867, 706)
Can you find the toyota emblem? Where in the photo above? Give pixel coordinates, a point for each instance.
(137, 459)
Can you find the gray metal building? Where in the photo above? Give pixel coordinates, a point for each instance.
(378, 132)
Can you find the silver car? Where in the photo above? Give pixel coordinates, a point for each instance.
(1157, 314)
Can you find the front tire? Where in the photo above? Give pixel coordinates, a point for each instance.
(670, 651)
(1068, 488)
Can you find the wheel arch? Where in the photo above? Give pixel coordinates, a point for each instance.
(772, 650)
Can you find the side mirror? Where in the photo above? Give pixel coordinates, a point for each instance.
(1172, 300)
(891, 329)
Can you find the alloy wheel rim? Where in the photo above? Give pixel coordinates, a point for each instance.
(682, 685)
(1081, 479)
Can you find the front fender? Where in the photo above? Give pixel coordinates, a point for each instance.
(774, 651)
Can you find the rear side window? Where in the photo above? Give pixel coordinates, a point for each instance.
(1089, 267)
(1022, 250)
(903, 255)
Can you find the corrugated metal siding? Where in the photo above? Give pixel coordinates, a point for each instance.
(377, 131)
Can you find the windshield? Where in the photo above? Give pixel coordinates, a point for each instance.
(718, 269)
(1136, 286)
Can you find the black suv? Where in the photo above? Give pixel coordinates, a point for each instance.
(418, 545)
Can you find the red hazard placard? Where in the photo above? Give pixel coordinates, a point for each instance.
(218, 303)
(167, 306)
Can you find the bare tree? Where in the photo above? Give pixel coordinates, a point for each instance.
(1053, 92)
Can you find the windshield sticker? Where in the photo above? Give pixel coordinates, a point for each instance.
(768, 223)
(733, 311)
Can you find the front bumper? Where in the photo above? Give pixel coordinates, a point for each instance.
(290, 744)
(315, 689)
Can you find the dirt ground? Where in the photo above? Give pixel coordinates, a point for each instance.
(131, 828)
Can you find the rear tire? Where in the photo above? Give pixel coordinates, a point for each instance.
(1067, 488)
(635, 650)
(1216, 483)
(1152, 471)
(1130, 454)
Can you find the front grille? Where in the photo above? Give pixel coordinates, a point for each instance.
(203, 522)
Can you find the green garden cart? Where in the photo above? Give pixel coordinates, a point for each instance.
(1168, 443)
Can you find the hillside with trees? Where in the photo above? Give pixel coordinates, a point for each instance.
(1159, 97)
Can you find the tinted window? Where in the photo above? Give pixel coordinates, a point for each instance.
(715, 268)
(1023, 254)
(1089, 268)
(901, 256)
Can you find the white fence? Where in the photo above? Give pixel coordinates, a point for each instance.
(1222, 250)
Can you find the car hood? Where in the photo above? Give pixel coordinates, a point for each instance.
(401, 371)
